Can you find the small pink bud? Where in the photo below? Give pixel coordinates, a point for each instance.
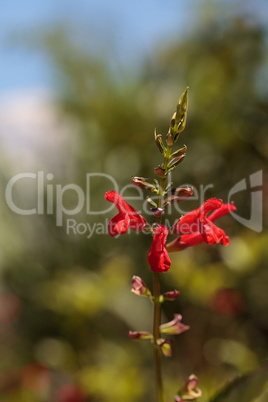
(139, 287)
(171, 295)
(140, 335)
(174, 327)
(165, 346)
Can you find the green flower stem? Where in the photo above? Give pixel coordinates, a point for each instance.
(163, 181)
(157, 303)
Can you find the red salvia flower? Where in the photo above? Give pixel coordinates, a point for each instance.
(127, 216)
(196, 226)
(158, 257)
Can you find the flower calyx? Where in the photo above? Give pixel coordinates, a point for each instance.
(141, 183)
(190, 391)
(165, 346)
(159, 142)
(178, 195)
(160, 171)
(174, 327)
(177, 157)
(140, 336)
(157, 211)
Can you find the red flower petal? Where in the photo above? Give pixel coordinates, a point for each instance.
(127, 217)
(223, 210)
(211, 233)
(187, 223)
(210, 205)
(158, 257)
(196, 227)
(184, 241)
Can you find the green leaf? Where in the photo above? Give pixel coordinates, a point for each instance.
(245, 388)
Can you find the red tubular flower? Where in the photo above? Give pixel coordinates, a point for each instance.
(196, 226)
(127, 217)
(158, 257)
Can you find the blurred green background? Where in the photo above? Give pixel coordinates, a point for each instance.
(65, 301)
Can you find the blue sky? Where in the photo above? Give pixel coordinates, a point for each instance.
(133, 29)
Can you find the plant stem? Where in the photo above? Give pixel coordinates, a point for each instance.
(156, 333)
(163, 182)
(157, 303)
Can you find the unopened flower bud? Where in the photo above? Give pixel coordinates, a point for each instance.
(142, 183)
(174, 327)
(139, 287)
(165, 346)
(171, 295)
(178, 195)
(169, 139)
(140, 335)
(157, 211)
(177, 157)
(151, 202)
(175, 161)
(178, 120)
(160, 172)
(179, 152)
(159, 142)
(182, 106)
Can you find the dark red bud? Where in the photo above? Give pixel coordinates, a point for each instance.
(160, 172)
(171, 295)
(178, 195)
(157, 211)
